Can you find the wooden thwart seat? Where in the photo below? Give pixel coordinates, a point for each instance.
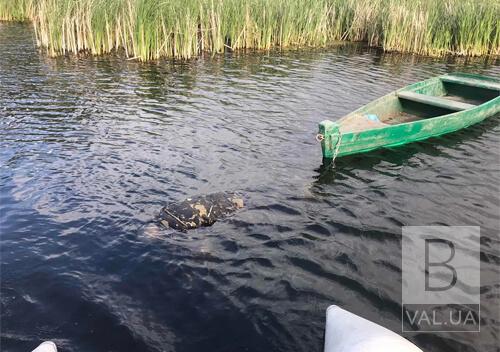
(439, 102)
(472, 82)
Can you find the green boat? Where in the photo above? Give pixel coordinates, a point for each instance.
(421, 110)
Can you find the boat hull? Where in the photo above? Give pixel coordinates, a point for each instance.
(347, 332)
(336, 144)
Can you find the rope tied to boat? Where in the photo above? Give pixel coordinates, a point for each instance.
(337, 146)
(321, 138)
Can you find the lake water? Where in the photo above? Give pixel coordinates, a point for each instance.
(91, 148)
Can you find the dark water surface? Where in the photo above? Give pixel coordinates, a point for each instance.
(91, 148)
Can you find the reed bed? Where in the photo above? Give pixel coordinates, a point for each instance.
(150, 29)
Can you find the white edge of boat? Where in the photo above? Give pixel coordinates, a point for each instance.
(348, 332)
(47, 346)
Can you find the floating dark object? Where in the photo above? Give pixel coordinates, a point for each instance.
(199, 211)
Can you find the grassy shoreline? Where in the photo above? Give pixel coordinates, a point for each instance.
(150, 29)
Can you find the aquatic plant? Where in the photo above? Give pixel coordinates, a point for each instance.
(150, 29)
(16, 10)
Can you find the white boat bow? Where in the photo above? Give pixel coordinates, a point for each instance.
(347, 332)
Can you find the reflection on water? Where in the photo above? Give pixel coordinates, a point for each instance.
(93, 147)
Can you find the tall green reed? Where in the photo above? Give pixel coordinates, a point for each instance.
(150, 29)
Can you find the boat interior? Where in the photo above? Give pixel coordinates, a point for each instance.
(441, 96)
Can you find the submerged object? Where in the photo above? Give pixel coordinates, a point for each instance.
(199, 211)
(347, 332)
(421, 110)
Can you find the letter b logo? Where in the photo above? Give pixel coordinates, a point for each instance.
(442, 246)
(440, 264)
(440, 277)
